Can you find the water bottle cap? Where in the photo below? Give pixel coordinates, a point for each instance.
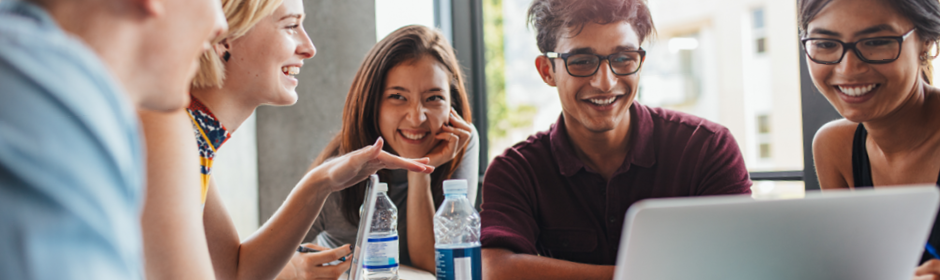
(455, 186)
(382, 187)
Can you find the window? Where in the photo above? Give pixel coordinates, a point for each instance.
(760, 41)
(674, 79)
(393, 14)
(764, 137)
(765, 150)
(519, 103)
(758, 18)
(763, 124)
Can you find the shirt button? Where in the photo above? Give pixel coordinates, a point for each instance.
(612, 220)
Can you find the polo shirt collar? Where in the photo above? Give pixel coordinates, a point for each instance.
(641, 152)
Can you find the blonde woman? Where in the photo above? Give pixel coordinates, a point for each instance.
(253, 65)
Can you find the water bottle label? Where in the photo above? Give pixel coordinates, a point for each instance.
(381, 252)
(458, 263)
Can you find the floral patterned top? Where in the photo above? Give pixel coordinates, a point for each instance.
(210, 135)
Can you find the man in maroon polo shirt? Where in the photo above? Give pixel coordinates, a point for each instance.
(553, 205)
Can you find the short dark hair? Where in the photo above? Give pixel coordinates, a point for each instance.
(550, 17)
(925, 14)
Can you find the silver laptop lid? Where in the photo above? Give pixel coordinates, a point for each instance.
(365, 222)
(861, 234)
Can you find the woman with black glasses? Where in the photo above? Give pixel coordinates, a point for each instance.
(871, 60)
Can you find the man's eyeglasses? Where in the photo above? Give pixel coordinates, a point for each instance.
(877, 50)
(586, 64)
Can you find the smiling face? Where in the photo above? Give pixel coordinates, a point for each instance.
(600, 102)
(415, 105)
(265, 60)
(862, 91)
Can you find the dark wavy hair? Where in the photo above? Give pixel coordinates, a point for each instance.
(360, 126)
(551, 17)
(924, 14)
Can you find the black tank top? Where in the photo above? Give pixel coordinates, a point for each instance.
(861, 174)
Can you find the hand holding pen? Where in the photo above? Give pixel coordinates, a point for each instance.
(931, 269)
(316, 262)
(304, 249)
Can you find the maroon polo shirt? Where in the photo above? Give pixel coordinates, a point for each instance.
(540, 198)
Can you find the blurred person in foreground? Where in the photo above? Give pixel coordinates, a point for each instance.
(554, 204)
(188, 232)
(71, 162)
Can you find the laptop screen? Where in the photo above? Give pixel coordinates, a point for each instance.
(355, 271)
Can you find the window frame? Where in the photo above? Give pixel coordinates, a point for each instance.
(462, 23)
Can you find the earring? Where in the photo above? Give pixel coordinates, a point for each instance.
(228, 55)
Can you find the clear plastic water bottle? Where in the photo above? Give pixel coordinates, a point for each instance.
(457, 235)
(380, 261)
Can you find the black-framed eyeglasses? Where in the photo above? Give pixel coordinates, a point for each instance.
(586, 64)
(877, 50)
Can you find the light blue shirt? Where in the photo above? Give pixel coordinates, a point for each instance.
(71, 165)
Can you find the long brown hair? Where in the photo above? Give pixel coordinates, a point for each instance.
(360, 126)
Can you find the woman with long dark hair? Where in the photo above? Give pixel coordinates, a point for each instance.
(409, 91)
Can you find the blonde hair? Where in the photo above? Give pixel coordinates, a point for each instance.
(241, 15)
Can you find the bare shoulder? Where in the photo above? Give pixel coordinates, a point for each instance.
(832, 153)
(933, 102)
(835, 133)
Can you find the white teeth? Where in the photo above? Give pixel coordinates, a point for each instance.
(413, 136)
(290, 70)
(857, 91)
(602, 102)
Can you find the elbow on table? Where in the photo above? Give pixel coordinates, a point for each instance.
(496, 262)
(426, 265)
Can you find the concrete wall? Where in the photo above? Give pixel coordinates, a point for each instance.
(289, 138)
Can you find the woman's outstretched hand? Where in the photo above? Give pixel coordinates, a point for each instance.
(454, 138)
(351, 168)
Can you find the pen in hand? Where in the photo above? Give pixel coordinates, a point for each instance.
(302, 249)
(930, 249)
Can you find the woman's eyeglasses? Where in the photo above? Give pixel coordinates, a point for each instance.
(877, 50)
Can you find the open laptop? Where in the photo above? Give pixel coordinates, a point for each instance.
(862, 234)
(355, 271)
